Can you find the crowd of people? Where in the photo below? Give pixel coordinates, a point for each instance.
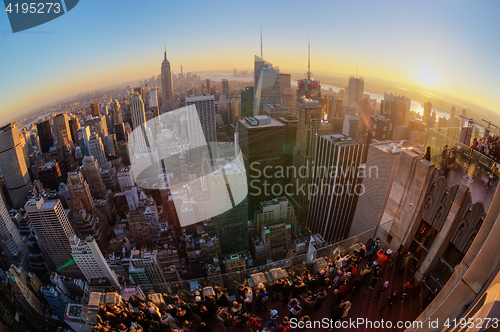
(490, 146)
(339, 281)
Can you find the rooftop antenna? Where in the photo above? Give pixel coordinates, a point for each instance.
(165, 50)
(309, 58)
(356, 71)
(261, 42)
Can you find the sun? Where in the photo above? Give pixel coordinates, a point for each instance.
(428, 74)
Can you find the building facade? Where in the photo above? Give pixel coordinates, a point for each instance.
(13, 165)
(334, 187)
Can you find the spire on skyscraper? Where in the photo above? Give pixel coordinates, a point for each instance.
(309, 59)
(261, 41)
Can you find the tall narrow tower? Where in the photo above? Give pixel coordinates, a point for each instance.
(166, 84)
(309, 61)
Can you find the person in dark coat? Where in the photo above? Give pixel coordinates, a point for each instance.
(337, 312)
(240, 294)
(356, 285)
(204, 328)
(286, 291)
(205, 314)
(382, 290)
(320, 298)
(427, 155)
(222, 299)
(313, 284)
(277, 289)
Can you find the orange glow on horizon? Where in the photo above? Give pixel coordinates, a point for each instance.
(122, 72)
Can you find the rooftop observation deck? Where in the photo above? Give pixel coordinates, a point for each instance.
(471, 167)
(363, 303)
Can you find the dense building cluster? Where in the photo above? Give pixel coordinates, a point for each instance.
(214, 200)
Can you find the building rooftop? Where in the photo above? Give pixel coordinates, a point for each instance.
(396, 147)
(259, 121)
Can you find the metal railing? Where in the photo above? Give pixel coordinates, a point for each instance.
(230, 281)
(471, 163)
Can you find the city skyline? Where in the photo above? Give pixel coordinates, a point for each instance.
(136, 201)
(435, 46)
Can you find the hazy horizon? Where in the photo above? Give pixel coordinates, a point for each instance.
(448, 47)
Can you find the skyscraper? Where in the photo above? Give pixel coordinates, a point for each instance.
(121, 134)
(309, 88)
(205, 106)
(261, 141)
(275, 220)
(166, 84)
(334, 192)
(74, 125)
(137, 111)
(143, 223)
(90, 260)
(153, 104)
(98, 125)
(95, 110)
(13, 165)
(96, 149)
(83, 139)
(225, 88)
(308, 131)
(356, 90)
(259, 64)
(247, 101)
(53, 230)
(50, 175)
(395, 112)
(138, 120)
(232, 225)
(11, 242)
(290, 122)
(45, 135)
(399, 99)
(285, 80)
(268, 89)
(208, 86)
(380, 164)
(79, 192)
(93, 176)
(63, 133)
(116, 112)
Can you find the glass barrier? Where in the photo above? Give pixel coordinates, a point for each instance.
(472, 164)
(187, 289)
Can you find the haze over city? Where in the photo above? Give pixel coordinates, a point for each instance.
(446, 46)
(265, 166)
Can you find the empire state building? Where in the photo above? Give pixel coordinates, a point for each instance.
(166, 84)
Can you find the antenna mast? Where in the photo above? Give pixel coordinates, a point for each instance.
(261, 41)
(309, 59)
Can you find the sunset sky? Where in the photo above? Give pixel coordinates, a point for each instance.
(448, 46)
